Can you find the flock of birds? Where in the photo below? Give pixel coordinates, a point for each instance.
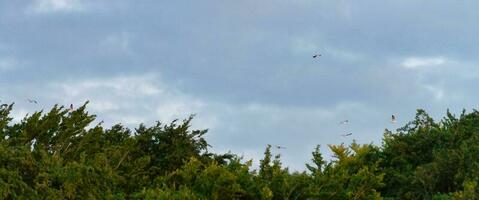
(315, 56)
(345, 122)
(341, 123)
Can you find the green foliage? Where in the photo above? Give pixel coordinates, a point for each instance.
(426, 159)
(61, 155)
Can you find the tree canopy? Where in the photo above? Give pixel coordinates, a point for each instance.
(61, 154)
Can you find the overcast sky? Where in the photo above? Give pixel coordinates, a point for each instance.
(245, 68)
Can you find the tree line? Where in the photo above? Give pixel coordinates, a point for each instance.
(61, 154)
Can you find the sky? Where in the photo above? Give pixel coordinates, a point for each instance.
(245, 68)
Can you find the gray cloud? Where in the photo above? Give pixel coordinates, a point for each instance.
(244, 67)
(52, 6)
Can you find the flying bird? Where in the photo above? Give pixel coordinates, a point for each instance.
(393, 119)
(280, 147)
(345, 135)
(32, 101)
(316, 55)
(344, 122)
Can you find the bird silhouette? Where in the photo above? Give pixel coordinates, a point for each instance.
(32, 101)
(71, 108)
(393, 119)
(316, 55)
(280, 147)
(345, 135)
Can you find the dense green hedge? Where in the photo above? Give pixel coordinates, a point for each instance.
(61, 155)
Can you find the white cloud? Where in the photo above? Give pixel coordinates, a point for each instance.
(52, 6)
(131, 100)
(132, 86)
(131, 120)
(103, 106)
(9, 63)
(438, 93)
(417, 62)
(172, 110)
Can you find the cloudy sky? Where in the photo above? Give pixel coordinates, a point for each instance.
(245, 68)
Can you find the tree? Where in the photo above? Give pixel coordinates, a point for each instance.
(60, 154)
